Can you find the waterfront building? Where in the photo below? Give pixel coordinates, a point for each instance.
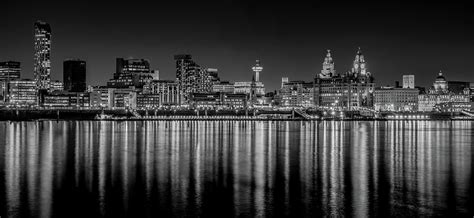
(192, 78)
(168, 91)
(255, 89)
(440, 97)
(70, 100)
(42, 57)
(74, 75)
(408, 82)
(22, 93)
(396, 99)
(246, 88)
(131, 72)
(9, 71)
(219, 100)
(223, 86)
(56, 85)
(113, 98)
(296, 94)
(350, 91)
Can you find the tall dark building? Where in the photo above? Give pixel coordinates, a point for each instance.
(74, 75)
(42, 60)
(131, 72)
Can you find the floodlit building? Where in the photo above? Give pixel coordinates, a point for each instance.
(9, 71)
(408, 81)
(71, 100)
(296, 94)
(167, 91)
(349, 91)
(396, 99)
(439, 97)
(223, 86)
(56, 85)
(192, 78)
(23, 93)
(217, 100)
(42, 58)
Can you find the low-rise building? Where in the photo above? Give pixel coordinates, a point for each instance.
(214, 100)
(296, 94)
(72, 100)
(396, 99)
(22, 93)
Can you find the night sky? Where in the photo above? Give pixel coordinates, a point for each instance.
(289, 37)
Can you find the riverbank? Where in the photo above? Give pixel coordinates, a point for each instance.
(187, 114)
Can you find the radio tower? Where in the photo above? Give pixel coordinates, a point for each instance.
(257, 69)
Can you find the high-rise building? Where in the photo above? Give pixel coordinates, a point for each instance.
(328, 67)
(192, 78)
(74, 75)
(131, 72)
(42, 59)
(408, 81)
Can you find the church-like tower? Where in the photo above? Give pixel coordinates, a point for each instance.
(359, 66)
(328, 67)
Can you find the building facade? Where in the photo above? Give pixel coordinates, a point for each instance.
(441, 98)
(192, 78)
(167, 91)
(9, 71)
(408, 81)
(396, 99)
(23, 93)
(350, 91)
(74, 75)
(296, 94)
(223, 86)
(42, 58)
(131, 72)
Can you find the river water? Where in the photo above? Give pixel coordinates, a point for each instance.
(236, 168)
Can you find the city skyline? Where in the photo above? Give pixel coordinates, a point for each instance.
(298, 59)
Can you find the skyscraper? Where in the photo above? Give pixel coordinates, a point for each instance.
(42, 59)
(74, 75)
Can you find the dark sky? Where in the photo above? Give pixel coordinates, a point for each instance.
(289, 37)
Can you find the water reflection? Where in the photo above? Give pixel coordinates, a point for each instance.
(236, 168)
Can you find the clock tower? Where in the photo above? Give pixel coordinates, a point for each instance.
(359, 66)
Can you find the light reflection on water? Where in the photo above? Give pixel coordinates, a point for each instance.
(245, 168)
